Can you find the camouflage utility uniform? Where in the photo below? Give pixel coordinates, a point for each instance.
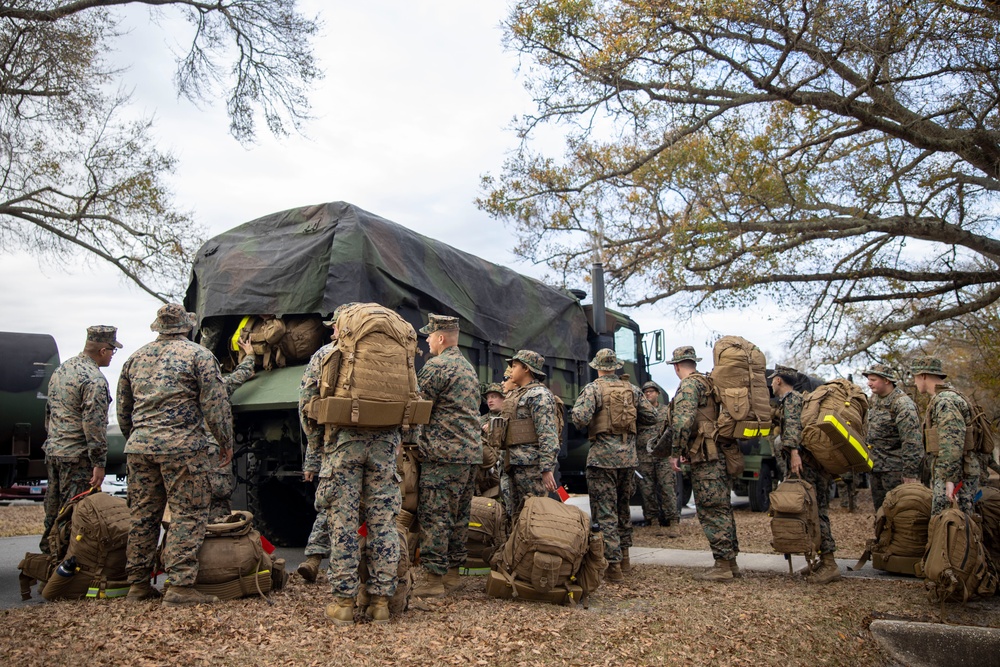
(484, 480)
(223, 477)
(76, 421)
(658, 481)
(315, 460)
(895, 439)
(709, 480)
(611, 464)
(948, 415)
(450, 451)
(524, 464)
(169, 390)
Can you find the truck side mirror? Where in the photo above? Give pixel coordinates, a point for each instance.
(652, 343)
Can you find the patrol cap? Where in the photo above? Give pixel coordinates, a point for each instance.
(606, 360)
(684, 353)
(103, 333)
(928, 365)
(172, 319)
(883, 371)
(785, 372)
(652, 385)
(531, 359)
(439, 323)
(493, 388)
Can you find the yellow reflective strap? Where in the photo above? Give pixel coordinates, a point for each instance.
(854, 443)
(764, 432)
(750, 432)
(239, 330)
(473, 524)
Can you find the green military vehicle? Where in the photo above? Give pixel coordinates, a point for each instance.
(307, 261)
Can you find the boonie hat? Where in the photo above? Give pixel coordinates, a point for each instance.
(531, 359)
(104, 333)
(172, 319)
(684, 353)
(439, 323)
(785, 372)
(652, 385)
(882, 370)
(336, 313)
(493, 388)
(929, 365)
(606, 360)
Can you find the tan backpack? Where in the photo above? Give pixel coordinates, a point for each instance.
(834, 427)
(988, 508)
(487, 531)
(232, 562)
(979, 434)
(304, 334)
(795, 519)
(900, 530)
(739, 380)
(617, 413)
(955, 566)
(369, 380)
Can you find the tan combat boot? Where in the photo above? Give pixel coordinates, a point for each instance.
(626, 564)
(452, 580)
(309, 570)
(735, 569)
(432, 586)
(614, 575)
(142, 590)
(721, 571)
(184, 596)
(363, 598)
(671, 527)
(341, 612)
(827, 571)
(378, 609)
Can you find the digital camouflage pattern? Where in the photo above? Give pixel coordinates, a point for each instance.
(223, 477)
(319, 537)
(950, 414)
(169, 390)
(443, 507)
(610, 490)
(453, 434)
(523, 481)
(790, 416)
(363, 465)
(76, 415)
(609, 450)
(315, 258)
(534, 400)
(895, 439)
(657, 481)
(308, 390)
(691, 395)
(814, 473)
(68, 477)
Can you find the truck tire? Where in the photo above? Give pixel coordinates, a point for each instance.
(760, 488)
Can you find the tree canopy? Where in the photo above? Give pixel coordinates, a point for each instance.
(840, 159)
(77, 174)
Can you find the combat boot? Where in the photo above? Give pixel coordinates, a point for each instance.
(626, 564)
(721, 571)
(341, 612)
(309, 570)
(735, 569)
(827, 571)
(672, 528)
(185, 596)
(363, 598)
(614, 575)
(451, 580)
(378, 609)
(142, 590)
(432, 586)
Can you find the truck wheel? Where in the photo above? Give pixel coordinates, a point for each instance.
(282, 508)
(683, 490)
(760, 488)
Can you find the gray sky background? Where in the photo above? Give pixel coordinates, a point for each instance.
(415, 107)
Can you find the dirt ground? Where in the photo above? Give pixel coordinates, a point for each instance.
(21, 520)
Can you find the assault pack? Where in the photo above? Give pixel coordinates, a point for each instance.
(834, 427)
(87, 544)
(795, 520)
(487, 531)
(369, 379)
(739, 381)
(550, 555)
(979, 435)
(955, 566)
(304, 334)
(900, 530)
(232, 562)
(617, 413)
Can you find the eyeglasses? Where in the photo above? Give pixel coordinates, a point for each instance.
(112, 350)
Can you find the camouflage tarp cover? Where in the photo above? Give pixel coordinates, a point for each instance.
(312, 259)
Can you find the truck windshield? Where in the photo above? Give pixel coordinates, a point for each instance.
(626, 346)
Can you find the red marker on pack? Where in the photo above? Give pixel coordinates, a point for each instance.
(561, 492)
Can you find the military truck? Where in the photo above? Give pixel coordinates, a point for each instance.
(307, 261)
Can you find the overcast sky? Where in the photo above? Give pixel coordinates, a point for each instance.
(415, 106)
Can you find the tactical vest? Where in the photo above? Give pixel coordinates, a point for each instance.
(703, 447)
(511, 430)
(617, 413)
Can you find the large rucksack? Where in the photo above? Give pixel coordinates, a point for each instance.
(543, 555)
(739, 380)
(955, 566)
(988, 508)
(232, 562)
(369, 380)
(795, 519)
(617, 413)
(900, 530)
(304, 334)
(487, 531)
(979, 434)
(835, 425)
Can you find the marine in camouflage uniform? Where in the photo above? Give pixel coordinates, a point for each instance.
(223, 477)
(893, 433)
(709, 480)
(76, 421)
(529, 467)
(486, 481)
(611, 462)
(450, 451)
(800, 461)
(947, 418)
(657, 481)
(168, 392)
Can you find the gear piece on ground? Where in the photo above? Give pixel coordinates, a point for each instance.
(184, 596)
(341, 612)
(721, 571)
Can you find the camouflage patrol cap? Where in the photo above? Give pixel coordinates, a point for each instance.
(684, 353)
(883, 371)
(606, 360)
(439, 323)
(336, 313)
(103, 333)
(531, 359)
(494, 388)
(652, 385)
(783, 371)
(928, 365)
(173, 319)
